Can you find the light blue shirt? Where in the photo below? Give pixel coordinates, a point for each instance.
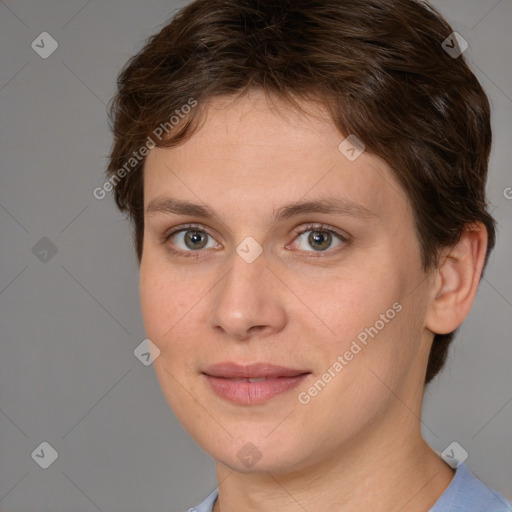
(466, 493)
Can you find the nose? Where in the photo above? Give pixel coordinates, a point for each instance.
(249, 301)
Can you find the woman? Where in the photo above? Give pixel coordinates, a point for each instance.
(306, 182)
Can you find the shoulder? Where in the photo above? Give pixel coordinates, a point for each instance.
(467, 493)
(207, 504)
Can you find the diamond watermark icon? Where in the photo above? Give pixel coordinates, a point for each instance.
(455, 45)
(146, 352)
(45, 455)
(44, 45)
(249, 454)
(249, 249)
(454, 455)
(351, 148)
(44, 250)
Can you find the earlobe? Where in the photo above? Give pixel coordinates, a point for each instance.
(457, 279)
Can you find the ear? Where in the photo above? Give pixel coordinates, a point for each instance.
(456, 280)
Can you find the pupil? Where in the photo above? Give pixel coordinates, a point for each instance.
(317, 236)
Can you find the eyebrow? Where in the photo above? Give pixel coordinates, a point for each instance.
(332, 205)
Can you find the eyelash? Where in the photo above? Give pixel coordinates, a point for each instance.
(323, 228)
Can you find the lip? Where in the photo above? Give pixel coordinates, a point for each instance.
(231, 370)
(231, 382)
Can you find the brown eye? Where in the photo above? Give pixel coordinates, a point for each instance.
(195, 239)
(189, 240)
(320, 240)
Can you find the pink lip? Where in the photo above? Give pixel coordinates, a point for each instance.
(230, 381)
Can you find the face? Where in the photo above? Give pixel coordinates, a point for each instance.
(294, 256)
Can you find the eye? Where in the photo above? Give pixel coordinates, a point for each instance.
(189, 239)
(320, 238)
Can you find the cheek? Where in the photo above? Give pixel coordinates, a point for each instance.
(374, 325)
(352, 306)
(370, 374)
(161, 304)
(165, 313)
(170, 305)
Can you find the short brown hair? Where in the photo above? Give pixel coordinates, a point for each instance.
(377, 65)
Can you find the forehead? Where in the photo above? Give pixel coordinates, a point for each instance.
(256, 152)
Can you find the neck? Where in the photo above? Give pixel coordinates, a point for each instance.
(376, 471)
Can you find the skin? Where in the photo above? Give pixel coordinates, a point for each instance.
(357, 445)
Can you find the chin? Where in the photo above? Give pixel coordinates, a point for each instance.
(259, 455)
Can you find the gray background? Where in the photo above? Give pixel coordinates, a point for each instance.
(69, 326)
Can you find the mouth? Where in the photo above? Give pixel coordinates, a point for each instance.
(254, 383)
